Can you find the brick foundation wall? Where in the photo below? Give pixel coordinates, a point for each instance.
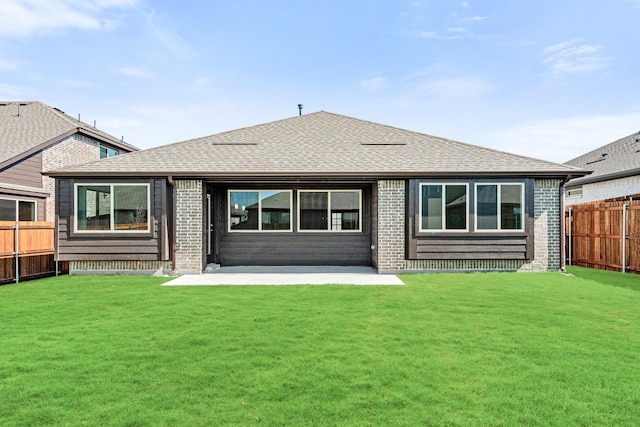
(73, 150)
(189, 227)
(120, 267)
(391, 225)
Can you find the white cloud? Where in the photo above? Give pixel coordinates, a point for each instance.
(136, 72)
(562, 139)
(450, 87)
(568, 58)
(23, 18)
(8, 91)
(375, 84)
(158, 26)
(8, 64)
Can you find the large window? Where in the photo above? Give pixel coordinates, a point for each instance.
(17, 210)
(112, 207)
(260, 210)
(336, 210)
(499, 207)
(443, 207)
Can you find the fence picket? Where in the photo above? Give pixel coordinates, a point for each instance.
(604, 235)
(27, 251)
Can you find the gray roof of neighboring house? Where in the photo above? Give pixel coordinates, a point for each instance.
(618, 159)
(319, 144)
(32, 125)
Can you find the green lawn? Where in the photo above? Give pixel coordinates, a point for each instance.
(469, 349)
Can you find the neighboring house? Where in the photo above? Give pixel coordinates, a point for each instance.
(616, 172)
(34, 138)
(318, 189)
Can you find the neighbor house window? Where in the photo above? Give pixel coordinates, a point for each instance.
(112, 207)
(107, 152)
(260, 210)
(574, 193)
(17, 210)
(499, 207)
(335, 210)
(443, 207)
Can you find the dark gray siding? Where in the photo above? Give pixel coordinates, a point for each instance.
(292, 248)
(106, 246)
(25, 172)
(517, 245)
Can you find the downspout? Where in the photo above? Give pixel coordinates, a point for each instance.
(174, 250)
(563, 237)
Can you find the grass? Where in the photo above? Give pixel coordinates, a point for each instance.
(470, 349)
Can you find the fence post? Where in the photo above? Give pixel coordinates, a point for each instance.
(570, 236)
(16, 229)
(624, 238)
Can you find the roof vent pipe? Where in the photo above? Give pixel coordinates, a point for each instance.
(78, 116)
(18, 110)
(299, 109)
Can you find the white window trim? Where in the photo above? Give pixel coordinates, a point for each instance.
(259, 230)
(329, 221)
(443, 209)
(17, 211)
(499, 202)
(111, 213)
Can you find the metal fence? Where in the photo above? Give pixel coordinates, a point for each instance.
(604, 235)
(27, 251)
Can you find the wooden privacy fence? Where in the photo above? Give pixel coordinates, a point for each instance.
(604, 235)
(27, 251)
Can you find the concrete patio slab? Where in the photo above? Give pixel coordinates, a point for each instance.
(278, 276)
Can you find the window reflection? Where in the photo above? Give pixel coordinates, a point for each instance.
(260, 210)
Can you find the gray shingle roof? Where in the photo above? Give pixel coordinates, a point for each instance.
(615, 160)
(27, 125)
(319, 144)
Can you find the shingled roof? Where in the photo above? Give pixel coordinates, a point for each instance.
(618, 159)
(319, 144)
(28, 126)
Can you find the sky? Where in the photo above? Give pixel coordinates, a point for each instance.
(546, 79)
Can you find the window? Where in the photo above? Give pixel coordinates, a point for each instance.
(112, 207)
(443, 207)
(574, 193)
(17, 210)
(107, 152)
(499, 207)
(260, 210)
(337, 210)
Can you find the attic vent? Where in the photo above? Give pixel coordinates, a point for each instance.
(382, 143)
(603, 157)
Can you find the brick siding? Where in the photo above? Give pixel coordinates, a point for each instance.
(189, 227)
(73, 150)
(606, 190)
(391, 225)
(547, 226)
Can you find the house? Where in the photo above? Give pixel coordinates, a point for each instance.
(33, 138)
(616, 172)
(317, 189)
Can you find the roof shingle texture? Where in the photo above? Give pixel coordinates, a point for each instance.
(314, 144)
(619, 156)
(26, 125)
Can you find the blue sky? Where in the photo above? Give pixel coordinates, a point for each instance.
(547, 79)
